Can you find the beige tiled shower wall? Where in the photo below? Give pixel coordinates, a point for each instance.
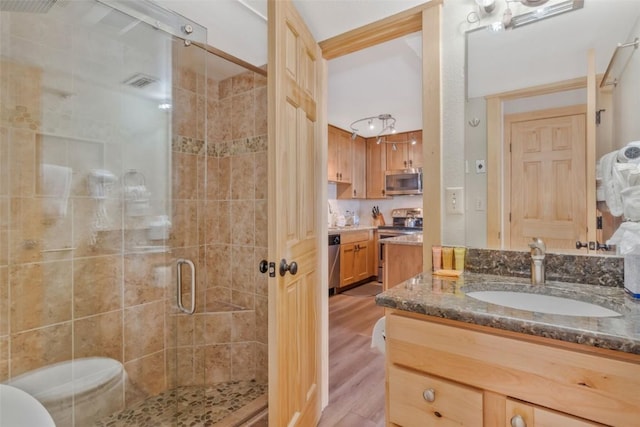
(220, 223)
(64, 295)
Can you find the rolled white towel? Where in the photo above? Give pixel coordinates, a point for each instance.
(378, 335)
(55, 188)
(609, 182)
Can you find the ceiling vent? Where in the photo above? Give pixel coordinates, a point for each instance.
(140, 80)
(27, 6)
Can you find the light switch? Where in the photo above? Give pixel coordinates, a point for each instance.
(455, 200)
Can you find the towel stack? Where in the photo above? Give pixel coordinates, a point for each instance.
(55, 187)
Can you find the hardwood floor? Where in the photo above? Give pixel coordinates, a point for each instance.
(356, 371)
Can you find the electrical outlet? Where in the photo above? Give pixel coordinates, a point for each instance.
(455, 200)
(480, 166)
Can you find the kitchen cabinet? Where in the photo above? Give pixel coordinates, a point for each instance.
(533, 380)
(340, 155)
(401, 151)
(406, 263)
(356, 257)
(358, 187)
(376, 165)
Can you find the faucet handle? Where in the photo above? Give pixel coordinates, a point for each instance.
(538, 243)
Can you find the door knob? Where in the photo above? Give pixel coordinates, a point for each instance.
(580, 245)
(291, 268)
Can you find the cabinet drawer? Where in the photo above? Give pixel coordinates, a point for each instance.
(589, 386)
(453, 404)
(534, 416)
(354, 236)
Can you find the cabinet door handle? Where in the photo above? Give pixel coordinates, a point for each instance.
(518, 421)
(337, 175)
(429, 395)
(410, 162)
(405, 163)
(354, 192)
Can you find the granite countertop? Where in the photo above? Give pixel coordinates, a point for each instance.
(348, 228)
(446, 298)
(405, 239)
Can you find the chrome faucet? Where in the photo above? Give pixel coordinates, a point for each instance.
(538, 250)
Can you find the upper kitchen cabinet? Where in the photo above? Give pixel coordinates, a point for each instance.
(340, 156)
(357, 189)
(404, 150)
(376, 165)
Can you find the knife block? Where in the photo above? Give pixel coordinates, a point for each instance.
(378, 220)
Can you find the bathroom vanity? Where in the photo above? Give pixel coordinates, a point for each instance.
(457, 360)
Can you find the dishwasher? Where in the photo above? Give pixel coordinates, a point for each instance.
(334, 262)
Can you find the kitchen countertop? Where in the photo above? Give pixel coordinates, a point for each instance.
(348, 228)
(405, 239)
(446, 298)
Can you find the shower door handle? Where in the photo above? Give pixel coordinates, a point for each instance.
(182, 308)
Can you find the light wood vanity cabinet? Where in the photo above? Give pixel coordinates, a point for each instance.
(484, 376)
(340, 156)
(356, 256)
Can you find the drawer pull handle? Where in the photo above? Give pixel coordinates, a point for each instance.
(429, 395)
(518, 421)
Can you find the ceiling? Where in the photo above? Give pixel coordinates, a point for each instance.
(383, 79)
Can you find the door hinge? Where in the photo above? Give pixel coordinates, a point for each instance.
(599, 223)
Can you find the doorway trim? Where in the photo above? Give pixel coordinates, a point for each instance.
(426, 18)
(496, 172)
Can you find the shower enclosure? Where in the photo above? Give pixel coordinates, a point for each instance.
(128, 153)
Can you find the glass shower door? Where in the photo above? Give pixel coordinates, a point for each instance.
(90, 225)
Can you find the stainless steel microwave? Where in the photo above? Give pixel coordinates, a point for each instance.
(403, 181)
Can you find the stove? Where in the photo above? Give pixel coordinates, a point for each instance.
(398, 227)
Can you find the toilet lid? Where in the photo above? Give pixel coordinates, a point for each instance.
(65, 379)
(19, 409)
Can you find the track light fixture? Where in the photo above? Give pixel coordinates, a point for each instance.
(387, 125)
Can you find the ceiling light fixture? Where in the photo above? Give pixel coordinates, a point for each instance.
(387, 124)
(511, 21)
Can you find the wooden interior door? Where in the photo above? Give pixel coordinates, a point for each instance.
(295, 84)
(548, 180)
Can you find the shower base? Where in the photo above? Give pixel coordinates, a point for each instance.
(222, 405)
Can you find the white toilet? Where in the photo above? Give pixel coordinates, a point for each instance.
(20, 409)
(92, 385)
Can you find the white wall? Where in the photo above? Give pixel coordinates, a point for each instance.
(626, 97)
(454, 25)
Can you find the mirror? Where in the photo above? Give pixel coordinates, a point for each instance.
(542, 53)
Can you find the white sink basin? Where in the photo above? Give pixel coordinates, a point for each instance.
(542, 303)
(20, 409)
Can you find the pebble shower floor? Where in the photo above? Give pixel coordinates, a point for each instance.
(189, 406)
